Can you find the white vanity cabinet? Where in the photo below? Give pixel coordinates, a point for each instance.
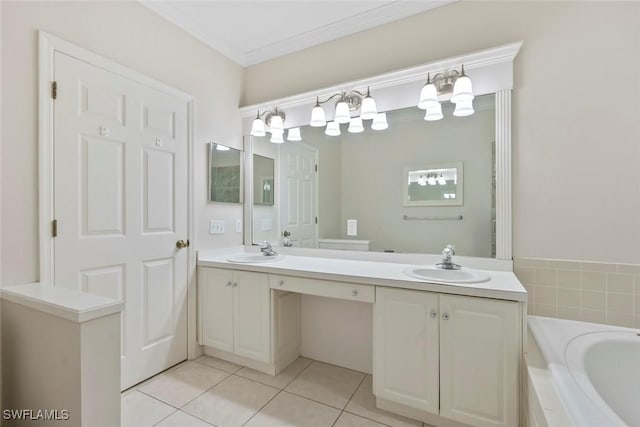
(449, 356)
(236, 312)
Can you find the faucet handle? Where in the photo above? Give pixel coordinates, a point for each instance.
(449, 249)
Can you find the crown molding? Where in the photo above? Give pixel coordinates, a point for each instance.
(472, 61)
(381, 15)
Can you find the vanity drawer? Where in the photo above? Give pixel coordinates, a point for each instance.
(324, 288)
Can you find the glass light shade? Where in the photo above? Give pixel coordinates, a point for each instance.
(462, 90)
(431, 180)
(380, 122)
(422, 181)
(294, 135)
(221, 147)
(428, 96)
(276, 123)
(434, 113)
(257, 128)
(441, 180)
(277, 137)
(317, 117)
(333, 129)
(342, 113)
(355, 125)
(368, 110)
(463, 109)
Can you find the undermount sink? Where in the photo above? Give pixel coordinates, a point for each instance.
(253, 258)
(448, 276)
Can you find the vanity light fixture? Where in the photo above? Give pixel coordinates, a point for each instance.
(455, 82)
(222, 147)
(273, 123)
(346, 104)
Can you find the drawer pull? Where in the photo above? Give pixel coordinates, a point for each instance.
(434, 314)
(281, 283)
(445, 316)
(228, 284)
(354, 293)
(235, 284)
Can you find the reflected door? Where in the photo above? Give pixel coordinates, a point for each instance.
(299, 209)
(120, 201)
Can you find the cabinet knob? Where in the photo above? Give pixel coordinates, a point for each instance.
(235, 284)
(228, 284)
(281, 283)
(445, 316)
(354, 292)
(434, 314)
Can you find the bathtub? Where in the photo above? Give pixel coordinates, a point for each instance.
(593, 370)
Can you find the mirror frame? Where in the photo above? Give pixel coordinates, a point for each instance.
(491, 71)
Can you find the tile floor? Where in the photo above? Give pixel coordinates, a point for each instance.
(209, 391)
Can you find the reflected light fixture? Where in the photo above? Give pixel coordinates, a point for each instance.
(222, 147)
(293, 134)
(355, 125)
(273, 123)
(347, 103)
(380, 122)
(333, 129)
(277, 136)
(455, 82)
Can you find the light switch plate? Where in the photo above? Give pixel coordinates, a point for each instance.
(216, 226)
(238, 226)
(352, 227)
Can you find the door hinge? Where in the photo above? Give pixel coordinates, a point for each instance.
(54, 90)
(316, 220)
(54, 228)
(316, 168)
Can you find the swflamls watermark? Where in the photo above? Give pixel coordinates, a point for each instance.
(36, 414)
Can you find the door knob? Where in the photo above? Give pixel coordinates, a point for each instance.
(181, 244)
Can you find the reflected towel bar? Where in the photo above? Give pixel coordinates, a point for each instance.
(432, 218)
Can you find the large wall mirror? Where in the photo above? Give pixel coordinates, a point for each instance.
(225, 174)
(411, 188)
(365, 177)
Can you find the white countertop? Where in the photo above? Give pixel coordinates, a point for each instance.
(65, 303)
(503, 284)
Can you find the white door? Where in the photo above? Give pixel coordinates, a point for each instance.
(298, 210)
(479, 356)
(405, 331)
(120, 201)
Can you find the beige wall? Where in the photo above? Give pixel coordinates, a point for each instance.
(130, 34)
(576, 119)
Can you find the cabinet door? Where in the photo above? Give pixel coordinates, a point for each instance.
(252, 316)
(217, 319)
(405, 341)
(479, 342)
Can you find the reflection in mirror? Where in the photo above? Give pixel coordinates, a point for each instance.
(433, 185)
(263, 183)
(225, 174)
(362, 180)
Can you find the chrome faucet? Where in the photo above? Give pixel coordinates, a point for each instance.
(267, 250)
(447, 255)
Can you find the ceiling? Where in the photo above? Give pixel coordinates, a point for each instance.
(254, 31)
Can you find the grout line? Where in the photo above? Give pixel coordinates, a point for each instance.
(213, 367)
(263, 406)
(159, 400)
(155, 424)
(216, 384)
(280, 390)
